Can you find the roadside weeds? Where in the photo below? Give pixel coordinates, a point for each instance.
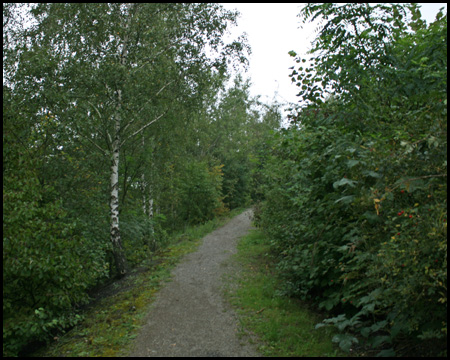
(280, 326)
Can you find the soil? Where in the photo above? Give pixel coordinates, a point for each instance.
(190, 316)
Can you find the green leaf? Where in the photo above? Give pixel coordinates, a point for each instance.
(352, 163)
(346, 199)
(378, 340)
(387, 353)
(344, 181)
(365, 33)
(373, 174)
(345, 341)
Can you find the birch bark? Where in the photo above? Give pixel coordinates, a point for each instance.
(119, 255)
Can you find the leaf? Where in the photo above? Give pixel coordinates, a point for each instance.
(378, 340)
(372, 217)
(365, 33)
(346, 199)
(379, 325)
(344, 181)
(387, 353)
(343, 249)
(327, 304)
(365, 332)
(345, 341)
(373, 174)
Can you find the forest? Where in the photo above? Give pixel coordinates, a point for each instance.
(123, 124)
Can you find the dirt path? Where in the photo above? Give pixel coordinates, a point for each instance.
(189, 316)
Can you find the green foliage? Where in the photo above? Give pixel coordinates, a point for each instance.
(44, 264)
(142, 236)
(356, 189)
(241, 125)
(237, 181)
(200, 192)
(71, 75)
(44, 254)
(279, 322)
(83, 82)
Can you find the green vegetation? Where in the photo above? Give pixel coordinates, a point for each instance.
(118, 132)
(122, 112)
(284, 326)
(356, 188)
(109, 324)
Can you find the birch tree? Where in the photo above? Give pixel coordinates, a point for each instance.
(110, 71)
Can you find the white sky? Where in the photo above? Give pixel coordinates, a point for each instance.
(273, 30)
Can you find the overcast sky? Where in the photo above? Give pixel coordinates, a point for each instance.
(273, 30)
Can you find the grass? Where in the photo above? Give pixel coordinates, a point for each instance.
(111, 324)
(284, 326)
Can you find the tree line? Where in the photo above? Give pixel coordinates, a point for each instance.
(118, 129)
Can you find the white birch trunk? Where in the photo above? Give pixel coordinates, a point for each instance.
(144, 198)
(143, 184)
(119, 256)
(144, 187)
(150, 207)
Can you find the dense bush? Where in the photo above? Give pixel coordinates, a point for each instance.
(45, 255)
(142, 235)
(356, 195)
(200, 192)
(44, 265)
(236, 182)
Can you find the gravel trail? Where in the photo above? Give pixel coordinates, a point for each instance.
(189, 316)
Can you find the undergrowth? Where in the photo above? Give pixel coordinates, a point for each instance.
(111, 323)
(284, 326)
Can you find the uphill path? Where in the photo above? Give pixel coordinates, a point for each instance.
(189, 316)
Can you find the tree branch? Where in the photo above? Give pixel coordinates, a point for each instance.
(103, 151)
(170, 82)
(143, 128)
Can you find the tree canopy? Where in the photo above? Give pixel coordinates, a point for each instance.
(106, 116)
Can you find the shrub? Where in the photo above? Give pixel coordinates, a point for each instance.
(44, 265)
(356, 189)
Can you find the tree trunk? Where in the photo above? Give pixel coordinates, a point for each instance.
(150, 205)
(144, 198)
(144, 187)
(119, 255)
